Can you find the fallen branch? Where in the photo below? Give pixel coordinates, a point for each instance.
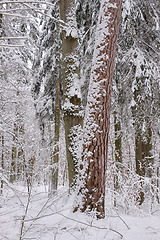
(123, 221)
(94, 226)
(77, 221)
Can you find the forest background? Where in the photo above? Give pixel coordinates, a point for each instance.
(48, 123)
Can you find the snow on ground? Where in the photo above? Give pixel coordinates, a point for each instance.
(52, 219)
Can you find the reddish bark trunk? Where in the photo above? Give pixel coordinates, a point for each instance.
(99, 102)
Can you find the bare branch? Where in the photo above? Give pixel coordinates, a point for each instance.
(90, 225)
(14, 15)
(11, 46)
(44, 14)
(77, 221)
(29, 17)
(38, 2)
(14, 38)
(123, 221)
(19, 9)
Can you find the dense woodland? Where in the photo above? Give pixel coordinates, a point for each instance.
(59, 126)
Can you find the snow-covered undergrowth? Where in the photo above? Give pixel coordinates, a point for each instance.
(42, 218)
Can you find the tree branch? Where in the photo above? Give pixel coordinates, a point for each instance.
(11, 46)
(14, 38)
(38, 2)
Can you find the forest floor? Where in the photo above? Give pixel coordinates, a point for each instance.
(41, 218)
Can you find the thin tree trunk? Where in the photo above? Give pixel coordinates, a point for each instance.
(70, 79)
(56, 138)
(2, 137)
(144, 158)
(98, 107)
(149, 160)
(118, 140)
(57, 112)
(2, 161)
(14, 155)
(118, 151)
(0, 24)
(157, 183)
(140, 167)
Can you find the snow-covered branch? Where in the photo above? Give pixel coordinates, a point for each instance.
(14, 38)
(34, 2)
(11, 46)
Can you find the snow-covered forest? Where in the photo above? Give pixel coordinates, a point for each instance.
(80, 119)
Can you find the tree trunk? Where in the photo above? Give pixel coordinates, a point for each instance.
(0, 25)
(2, 161)
(2, 137)
(54, 179)
(14, 154)
(118, 139)
(118, 150)
(157, 183)
(98, 107)
(144, 159)
(56, 138)
(70, 79)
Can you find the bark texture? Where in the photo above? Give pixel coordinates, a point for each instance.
(2, 161)
(70, 82)
(98, 107)
(144, 158)
(57, 109)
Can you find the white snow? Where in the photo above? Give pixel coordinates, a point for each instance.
(52, 218)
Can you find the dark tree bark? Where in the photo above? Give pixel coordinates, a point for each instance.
(118, 139)
(144, 158)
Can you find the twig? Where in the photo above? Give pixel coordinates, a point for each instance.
(14, 190)
(80, 222)
(44, 14)
(37, 217)
(94, 226)
(14, 15)
(23, 218)
(123, 221)
(38, 2)
(31, 8)
(11, 46)
(155, 211)
(19, 9)
(14, 38)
